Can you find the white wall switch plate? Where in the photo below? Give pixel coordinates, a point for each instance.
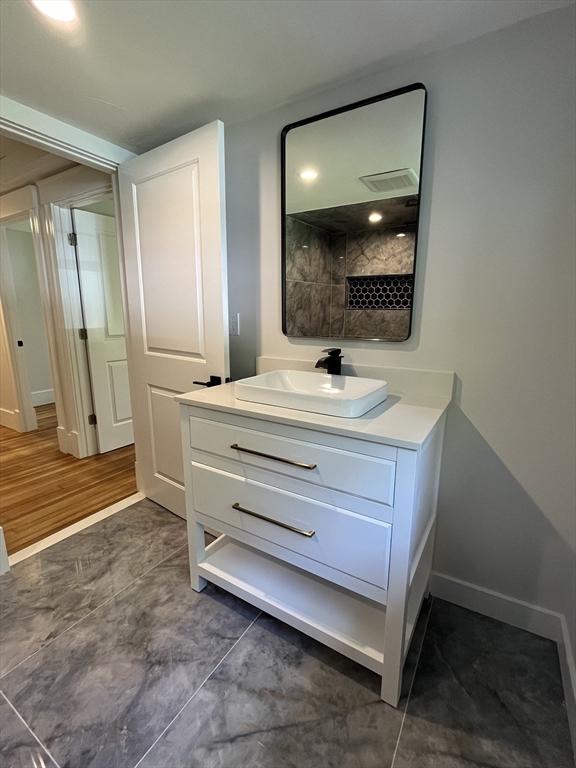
(234, 328)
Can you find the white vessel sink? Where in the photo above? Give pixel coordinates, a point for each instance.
(345, 396)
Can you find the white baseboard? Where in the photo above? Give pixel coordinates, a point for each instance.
(69, 442)
(510, 610)
(42, 397)
(11, 419)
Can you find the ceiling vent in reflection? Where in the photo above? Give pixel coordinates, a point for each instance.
(390, 182)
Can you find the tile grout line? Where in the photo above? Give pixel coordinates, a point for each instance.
(19, 716)
(208, 676)
(411, 685)
(96, 608)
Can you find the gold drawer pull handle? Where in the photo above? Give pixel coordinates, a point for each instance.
(302, 532)
(300, 464)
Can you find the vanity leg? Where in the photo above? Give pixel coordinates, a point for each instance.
(197, 582)
(196, 553)
(391, 688)
(398, 578)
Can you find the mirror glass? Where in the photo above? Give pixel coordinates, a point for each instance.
(351, 185)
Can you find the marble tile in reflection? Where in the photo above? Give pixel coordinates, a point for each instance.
(43, 595)
(307, 309)
(337, 310)
(338, 251)
(388, 324)
(308, 253)
(380, 253)
(18, 747)
(485, 694)
(282, 700)
(101, 693)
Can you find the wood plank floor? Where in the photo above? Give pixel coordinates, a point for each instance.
(43, 490)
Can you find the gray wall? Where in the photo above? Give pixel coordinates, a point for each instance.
(494, 292)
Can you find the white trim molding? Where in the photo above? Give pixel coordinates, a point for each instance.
(42, 397)
(518, 613)
(33, 127)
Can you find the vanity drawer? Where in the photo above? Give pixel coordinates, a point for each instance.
(343, 540)
(363, 475)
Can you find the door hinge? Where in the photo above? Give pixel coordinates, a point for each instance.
(83, 334)
(92, 420)
(72, 238)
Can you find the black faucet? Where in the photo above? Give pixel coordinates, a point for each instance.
(332, 362)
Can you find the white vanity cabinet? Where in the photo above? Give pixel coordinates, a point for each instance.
(327, 523)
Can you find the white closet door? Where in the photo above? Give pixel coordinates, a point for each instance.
(173, 225)
(101, 287)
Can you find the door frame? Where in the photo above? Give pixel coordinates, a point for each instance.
(33, 127)
(58, 195)
(37, 129)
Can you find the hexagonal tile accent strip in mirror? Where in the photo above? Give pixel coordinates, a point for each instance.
(379, 292)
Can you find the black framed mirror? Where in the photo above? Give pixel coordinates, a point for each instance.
(350, 211)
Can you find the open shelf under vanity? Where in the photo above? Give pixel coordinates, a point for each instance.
(336, 617)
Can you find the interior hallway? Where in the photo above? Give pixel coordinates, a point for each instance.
(43, 490)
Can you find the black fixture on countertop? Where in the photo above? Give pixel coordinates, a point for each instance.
(332, 362)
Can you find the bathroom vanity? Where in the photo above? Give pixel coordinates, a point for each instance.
(327, 522)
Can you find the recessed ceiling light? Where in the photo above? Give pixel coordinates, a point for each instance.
(401, 234)
(58, 10)
(374, 218)
(308, 174)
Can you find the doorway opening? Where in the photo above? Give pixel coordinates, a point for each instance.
(66, 437)
(21, 299)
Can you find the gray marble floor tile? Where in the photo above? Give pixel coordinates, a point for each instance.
(100, 694)
(46, 593)
(18, 747)
(485, 694)
(282, 700)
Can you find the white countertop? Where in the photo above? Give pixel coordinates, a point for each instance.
(403, 421)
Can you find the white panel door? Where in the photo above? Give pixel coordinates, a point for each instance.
(173, 223)
(101, 289)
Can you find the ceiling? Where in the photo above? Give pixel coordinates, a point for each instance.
(140, 72)
(398, 212)
(21, 164)
(377, 138)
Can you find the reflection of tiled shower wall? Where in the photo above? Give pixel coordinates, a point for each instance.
(317, 264)
(308, 279)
